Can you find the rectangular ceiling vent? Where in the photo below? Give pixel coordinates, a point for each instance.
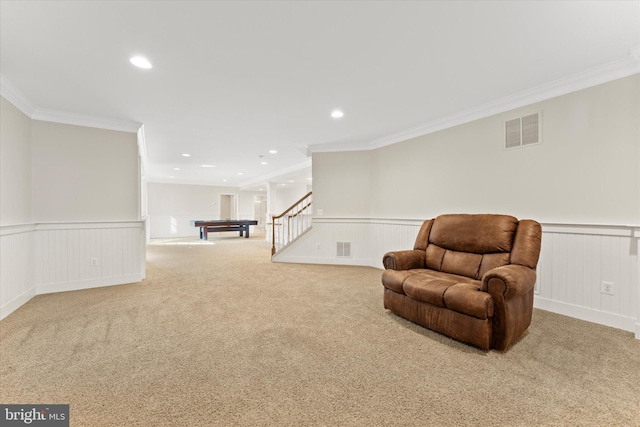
(522, 131)
(343, 250)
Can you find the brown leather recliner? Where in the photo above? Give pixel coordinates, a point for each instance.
(470, 277)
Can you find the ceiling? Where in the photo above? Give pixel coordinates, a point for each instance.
(232, 80)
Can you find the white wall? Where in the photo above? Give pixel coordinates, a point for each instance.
(15, 165)
(172, 206)
(83, 174)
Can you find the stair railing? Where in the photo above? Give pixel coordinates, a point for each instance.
(292, 223)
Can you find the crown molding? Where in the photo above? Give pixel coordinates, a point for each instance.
(178, 181)
(243, 186)
(605, 73)
(266, 178)
(69, 118)
(15, 97)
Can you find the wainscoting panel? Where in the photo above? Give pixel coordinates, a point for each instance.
(84, 255)
(319, 244)
(17, 250)
(575, 259)
(54, 257)
(574, 262)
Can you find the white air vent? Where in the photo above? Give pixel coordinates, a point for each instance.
(343, 249)
(522, 131)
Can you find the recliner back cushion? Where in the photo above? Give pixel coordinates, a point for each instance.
(470, 245)
(462, 263)
(479, 234)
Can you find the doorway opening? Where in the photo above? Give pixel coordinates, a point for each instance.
(228, 206)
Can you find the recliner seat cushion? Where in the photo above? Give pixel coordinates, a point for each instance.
(394, 279)
(457, 293)
(466, 298)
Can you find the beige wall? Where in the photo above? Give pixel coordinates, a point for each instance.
(342, 184)
(586, 170)
(15, 165)
(83, 174)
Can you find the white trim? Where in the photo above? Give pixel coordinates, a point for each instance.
(12, 306)
(595, 76)
(344, 220)
(329, 261)
(15, 97)
(595, 229)
(590, 315)
(142, 149)
(50, 288)
(66, 117)
(7, 230)
(88, 225)
(624, 230)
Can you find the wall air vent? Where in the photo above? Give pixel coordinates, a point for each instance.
(343, 250)
(523, 131)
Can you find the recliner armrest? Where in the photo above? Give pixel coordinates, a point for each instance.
(509, 280)
(404, 260)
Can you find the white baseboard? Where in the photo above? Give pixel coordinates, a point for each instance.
(88, 284)
(313, 260)
(12, 306)
(588, 314)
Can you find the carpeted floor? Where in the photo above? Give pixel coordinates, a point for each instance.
(217, 335)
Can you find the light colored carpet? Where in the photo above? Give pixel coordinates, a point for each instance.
(217, 335)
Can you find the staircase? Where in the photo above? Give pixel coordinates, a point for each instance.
(291, 224)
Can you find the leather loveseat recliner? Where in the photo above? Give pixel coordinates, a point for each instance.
(470, 277)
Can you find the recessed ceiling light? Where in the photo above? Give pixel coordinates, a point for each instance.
(290, 180)
(186, 155)
(176, 169)
(263, 163)
(273, 151)
(208, 166)
(224, 180)
(141, 62)
(172, 176)
(336, 114)
(239, 173)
